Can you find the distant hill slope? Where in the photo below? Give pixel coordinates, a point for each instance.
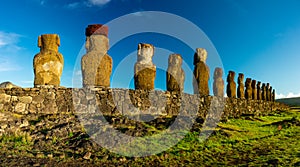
(290, 101)
(8, 85)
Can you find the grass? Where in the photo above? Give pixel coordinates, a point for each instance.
(272, 140)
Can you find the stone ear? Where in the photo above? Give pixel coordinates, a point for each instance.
(57, 40)
(40, 41)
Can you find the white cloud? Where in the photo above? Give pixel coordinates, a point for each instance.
(8, 48)
(289, 95)
(73, 5)
(98, 2)
(8, 39)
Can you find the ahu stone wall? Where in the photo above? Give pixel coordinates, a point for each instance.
(26, 101)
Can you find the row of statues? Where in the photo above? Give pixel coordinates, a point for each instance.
(96, 67)
(254, 90)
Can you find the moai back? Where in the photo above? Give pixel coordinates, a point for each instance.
(48, 64)
(144, 69)
(201, 73)
(231, 85)
(96, 64)
(241, 87)
(218, 85)
(175, 74)
(248, 92)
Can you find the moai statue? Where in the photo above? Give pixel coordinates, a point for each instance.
(201, 72)
(175, 74)
(144, 69)
(254, 90)
(273, 95)
(48, 64)
(264, 91)
(231, 85)
(248, 92)
(96, 64)
(268, 92)
(241, 89)
(259, 93)
(218, 86)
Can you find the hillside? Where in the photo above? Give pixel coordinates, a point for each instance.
(290, 101)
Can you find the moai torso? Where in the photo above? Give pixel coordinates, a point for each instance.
(268, 92)
(259, 93)
(231, 85)
(248, 92)
(254, 91)
(96, 64)
(175, 74)
(264, 91)
(48, 64)
(201, 73)
(144, 69)
(218, 86)
(273, 95)
(241, 87)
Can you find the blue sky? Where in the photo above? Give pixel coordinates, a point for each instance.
(257, 38)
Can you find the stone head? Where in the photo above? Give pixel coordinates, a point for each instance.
(263, 86)
(241, 78)
(175, 60)
(218, 73)
(230, 77)
(145, 53)
(248, 82)
(268, 85)
(200, 55)
(253, 84)
(258, 84)
(97, 43)
(49, 42)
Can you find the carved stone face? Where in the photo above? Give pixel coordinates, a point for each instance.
(230, 76)
(98, 43)
(201, 55)
(145, 53)
(248, 82)
(175, 59)
(253, 84)
(241, 78)
(49, 42)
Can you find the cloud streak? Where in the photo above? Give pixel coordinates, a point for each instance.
(289, 95)
(98, 2)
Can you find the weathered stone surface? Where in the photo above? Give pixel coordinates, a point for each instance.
(248, 92)
(25, 99)
(231, 85)
(20, 108)
(4, 98)
(48, 64)
(201, 73)
(144, 69)
(96, 64)
(259, 91)
(241, 87)
(254, 90)
(218, 85)
(264, 91)
(175, 74)
(268, 92)
(8, 85)
(273, 95)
